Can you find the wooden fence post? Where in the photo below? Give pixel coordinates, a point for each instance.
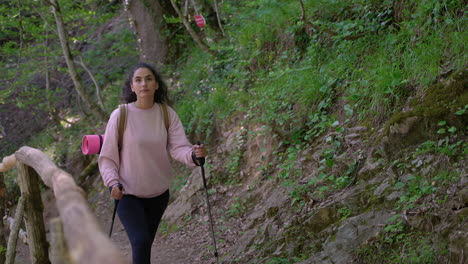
(3, 244)
(29, 184)
(86, 241)
(13, 238)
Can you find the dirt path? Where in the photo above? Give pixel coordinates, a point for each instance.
(178, 247)
(188, 244)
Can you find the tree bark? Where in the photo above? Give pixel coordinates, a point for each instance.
(3, 242)
(59, 253)
(100, 112)
(29, 185)
(13, 238)
(86, 241)
(148, 22)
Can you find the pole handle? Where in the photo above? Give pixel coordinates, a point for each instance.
(201, 161)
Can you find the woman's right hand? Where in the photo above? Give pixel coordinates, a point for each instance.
(116, 192)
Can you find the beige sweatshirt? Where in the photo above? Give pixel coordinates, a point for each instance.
(143, 166)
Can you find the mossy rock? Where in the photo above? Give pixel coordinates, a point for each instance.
(438, 103)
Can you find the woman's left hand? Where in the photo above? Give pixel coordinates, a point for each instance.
(199, 151)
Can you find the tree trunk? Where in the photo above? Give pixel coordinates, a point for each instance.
(148, 23)
(3, 244)
(29, 185)
(100, 112)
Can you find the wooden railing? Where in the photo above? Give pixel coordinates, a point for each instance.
(85, 242)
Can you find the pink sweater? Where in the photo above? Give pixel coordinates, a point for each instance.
(143, 166)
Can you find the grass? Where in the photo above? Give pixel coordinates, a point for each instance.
(374, 73)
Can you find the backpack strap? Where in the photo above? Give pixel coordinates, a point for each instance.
(122, 122)
(166, 116)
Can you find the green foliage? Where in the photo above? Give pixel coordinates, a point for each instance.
(344, 212)
(288, 167)
(258, 25)
(413, 189)
(447, 142)
(205, 97)
(166, 229)
(12, 187)
(398, 243)
(278, 70)
(32, 39)
(279, 83)
(180, 180)
(239, 207)
(2, 250)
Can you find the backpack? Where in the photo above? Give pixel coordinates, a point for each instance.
(92, 144)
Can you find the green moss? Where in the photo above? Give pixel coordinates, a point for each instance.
(332, 237)
(439, 102)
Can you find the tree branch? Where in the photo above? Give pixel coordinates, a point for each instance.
(100, 112)
(98, 88)
(217, 17)
(190, 30)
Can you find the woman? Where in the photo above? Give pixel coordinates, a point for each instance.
(142, 165)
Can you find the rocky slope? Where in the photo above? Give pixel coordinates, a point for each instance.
(404, 194)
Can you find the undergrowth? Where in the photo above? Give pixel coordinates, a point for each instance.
(398, 243)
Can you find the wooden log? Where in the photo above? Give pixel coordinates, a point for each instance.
(13, 238)
(8, 163)
(3, 242)
(86, 241)
(59, 250)
(29, 185)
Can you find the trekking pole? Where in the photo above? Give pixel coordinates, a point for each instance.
(201, 162)
(116, 202)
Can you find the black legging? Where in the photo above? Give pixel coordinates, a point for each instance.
(140, 218)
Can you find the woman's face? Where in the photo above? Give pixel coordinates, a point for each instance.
(144, 83)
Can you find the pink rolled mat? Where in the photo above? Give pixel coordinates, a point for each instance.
(91, 144)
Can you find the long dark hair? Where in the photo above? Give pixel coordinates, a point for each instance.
(160, 96)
